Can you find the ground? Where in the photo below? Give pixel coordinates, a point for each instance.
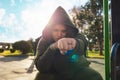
(15, 68)
(98, 65)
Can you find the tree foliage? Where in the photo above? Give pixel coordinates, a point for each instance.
(91, 15)
(1, 50)
(12, 50)
(31, 43)
(23, 46)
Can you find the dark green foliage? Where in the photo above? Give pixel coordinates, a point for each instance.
(1, 50)
(91, 14)
(23, 46)
(12, 50)
(31, 43)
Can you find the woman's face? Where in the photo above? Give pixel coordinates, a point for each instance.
(58, 32)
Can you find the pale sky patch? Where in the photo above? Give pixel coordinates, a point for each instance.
(13, 3)
(3, 37)
(9, 20)
(2, 13)
(30, 20)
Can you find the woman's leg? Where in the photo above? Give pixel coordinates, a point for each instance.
(88, 73)
(47, 76)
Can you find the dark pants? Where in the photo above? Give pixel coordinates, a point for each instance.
(41, 76)
(86, 73)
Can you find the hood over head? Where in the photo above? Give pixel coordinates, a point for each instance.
(59, 17)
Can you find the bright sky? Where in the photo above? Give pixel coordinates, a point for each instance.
(25, 19)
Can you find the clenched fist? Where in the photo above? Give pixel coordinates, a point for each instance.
(65, 44)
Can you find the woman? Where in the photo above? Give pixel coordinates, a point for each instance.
(61, 50)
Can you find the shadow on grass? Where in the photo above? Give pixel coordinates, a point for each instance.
(13, 58)
(96, 62)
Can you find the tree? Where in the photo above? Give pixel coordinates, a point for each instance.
(1, 50)
(91, 15)
(23, 46)
(31, 43)
(12, 50)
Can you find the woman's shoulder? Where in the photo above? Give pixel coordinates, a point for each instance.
(43, 41)
(80, 35)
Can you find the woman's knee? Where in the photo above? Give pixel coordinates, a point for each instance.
(47, 76)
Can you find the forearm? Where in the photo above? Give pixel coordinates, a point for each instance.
(81, 44)
(80, 47)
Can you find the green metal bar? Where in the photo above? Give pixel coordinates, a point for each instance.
(106, 40)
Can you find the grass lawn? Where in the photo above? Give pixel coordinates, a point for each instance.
(8, 53)
(90, 54)
(94, 54)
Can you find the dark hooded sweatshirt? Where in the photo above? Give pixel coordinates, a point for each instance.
(54, 66)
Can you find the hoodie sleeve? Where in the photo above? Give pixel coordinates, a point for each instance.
(81, 44)
(44, 57)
